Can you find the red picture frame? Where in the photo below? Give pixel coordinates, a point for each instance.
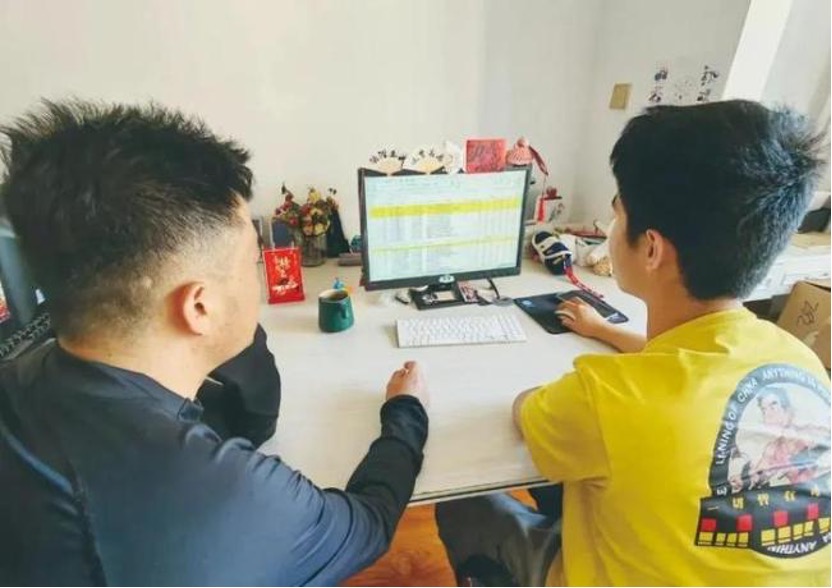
(284, 278)
(485, 155)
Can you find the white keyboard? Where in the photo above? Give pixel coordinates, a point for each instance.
(459, 330)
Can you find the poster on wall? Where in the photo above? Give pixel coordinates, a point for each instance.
(684, 81)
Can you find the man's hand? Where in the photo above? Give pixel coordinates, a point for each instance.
(582, 318)
(409, 381)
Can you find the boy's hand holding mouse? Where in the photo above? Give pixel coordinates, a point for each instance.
(579, 317)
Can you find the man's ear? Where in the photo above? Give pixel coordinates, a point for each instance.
(194, 308)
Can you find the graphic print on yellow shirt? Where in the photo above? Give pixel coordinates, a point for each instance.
(770, 473)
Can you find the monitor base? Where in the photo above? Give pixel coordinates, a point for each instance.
(437, 296)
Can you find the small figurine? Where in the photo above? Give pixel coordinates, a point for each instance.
(520, 154)
(336, 242)
(524, 154)
(339, 285)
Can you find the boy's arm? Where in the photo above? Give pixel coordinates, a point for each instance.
(515, 407)
(560, 426)
(623, 340)
(585, 320)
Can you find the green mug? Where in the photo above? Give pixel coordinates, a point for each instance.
(335, 311)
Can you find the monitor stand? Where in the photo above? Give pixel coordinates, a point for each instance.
(437, 296)
(499, 300)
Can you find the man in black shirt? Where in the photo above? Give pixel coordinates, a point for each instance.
(135, 223)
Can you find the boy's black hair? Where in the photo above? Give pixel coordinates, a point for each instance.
(727, 183)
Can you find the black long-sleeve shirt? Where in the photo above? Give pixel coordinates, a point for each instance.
(241, 398)
(106, 477)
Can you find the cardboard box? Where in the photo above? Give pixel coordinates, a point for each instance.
(807, 316)
(821, 346)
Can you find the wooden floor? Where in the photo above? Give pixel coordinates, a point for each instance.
(416, 557)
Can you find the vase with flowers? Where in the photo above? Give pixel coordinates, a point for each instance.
(308, 222)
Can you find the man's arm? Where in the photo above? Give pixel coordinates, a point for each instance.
(242, 399)
(382, 484)
(247, 518)
(223, 513)
(403, 422)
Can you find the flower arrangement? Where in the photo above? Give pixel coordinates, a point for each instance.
(312, 218)
(309, 222)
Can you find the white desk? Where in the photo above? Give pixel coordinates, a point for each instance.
(333, 384)
(791, 266)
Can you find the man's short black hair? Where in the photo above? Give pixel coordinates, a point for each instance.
(727, 183)
(102, 196)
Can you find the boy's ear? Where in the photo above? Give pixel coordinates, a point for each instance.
(656, 246)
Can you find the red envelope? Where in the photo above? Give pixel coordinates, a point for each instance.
(284, 279)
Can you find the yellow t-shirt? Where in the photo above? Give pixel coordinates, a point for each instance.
(702, 460)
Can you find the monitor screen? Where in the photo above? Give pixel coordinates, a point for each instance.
(427, 229)
(5, 313)
(19, 298)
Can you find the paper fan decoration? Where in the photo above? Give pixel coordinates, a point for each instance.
(425, 160)
(386, 161)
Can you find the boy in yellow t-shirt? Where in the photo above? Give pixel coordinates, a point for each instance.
(700, 455)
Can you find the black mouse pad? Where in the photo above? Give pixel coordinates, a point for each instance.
(542, 309)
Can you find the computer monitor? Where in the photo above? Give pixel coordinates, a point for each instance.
(21, 303)
(423, 230)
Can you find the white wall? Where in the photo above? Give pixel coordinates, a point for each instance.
(799, 76)
(312, 87)
(634, 37)
(762, 30)
(800, 73)
(538, 72)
